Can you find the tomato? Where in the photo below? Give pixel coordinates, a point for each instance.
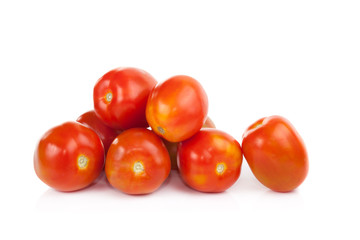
(69, 157)
(106, 133)
(210, 161)
(173, 146)
(137, 162)
(177, 108)
(276, 153)
(120, 97)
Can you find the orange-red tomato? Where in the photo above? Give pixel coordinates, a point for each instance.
(120, 97)
(177, 108)
(210, 161)
(276, 153)
(69, 157)
(173, 146)
(137, 162)
(106, 133)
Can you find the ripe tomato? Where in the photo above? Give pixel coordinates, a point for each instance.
(137, 162)
(69, 157)
(276, 153)
(173, 146)
(177, 108)
(120, 97)
(106, 133)
(210, 161)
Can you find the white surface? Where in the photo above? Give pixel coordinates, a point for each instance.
(298, 59)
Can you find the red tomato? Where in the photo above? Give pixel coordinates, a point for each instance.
(106, 133)
(177, 108)
(276, 153)
(137, 162)
(69, 157)
(173, 146)
(210, 161)
(120, 97)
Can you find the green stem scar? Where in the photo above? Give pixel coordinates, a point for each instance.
(161, 130)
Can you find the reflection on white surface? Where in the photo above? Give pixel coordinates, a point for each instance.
(173, 195)
(246, 195)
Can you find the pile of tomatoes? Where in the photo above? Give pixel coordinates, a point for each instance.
(140, 129)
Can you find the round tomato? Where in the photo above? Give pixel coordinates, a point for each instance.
(137, 162)
(173, 146)
(276, 153)
(210, 161)
(177, 108)
(69, 157)
(120, 97)
(106, 133)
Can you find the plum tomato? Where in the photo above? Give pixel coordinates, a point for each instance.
(137, 162)
(69, 157)
(172, 146)
(210, 161)
(177, 108)
(276, 153)
(106, 133)
(120, 97)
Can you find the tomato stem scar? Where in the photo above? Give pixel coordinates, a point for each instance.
(82, 161)
(161, 130)
(220, 168)
(138, 167)
(108, 97)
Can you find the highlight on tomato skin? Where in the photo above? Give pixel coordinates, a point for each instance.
(120, 97)
(137, 162)
(210, 161)
(106, 133)
(69, 157)
(177, 108)
(276, 153)
(173, 146)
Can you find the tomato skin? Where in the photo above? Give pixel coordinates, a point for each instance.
(120, 97)
(137, 162)
(276, 153)
(173, 146)
(177, 108)
(69, 157)
(106, 133)
(210, 161)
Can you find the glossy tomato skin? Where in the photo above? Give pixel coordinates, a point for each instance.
(177, 108)
(137, 162)
(69, 157)
(173, 146)
(210, 161)
(120, 97)
(276, 153)
(106, 133)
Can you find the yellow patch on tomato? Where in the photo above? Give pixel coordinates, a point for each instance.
(199, 179)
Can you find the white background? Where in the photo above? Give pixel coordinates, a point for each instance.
(298, 59)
